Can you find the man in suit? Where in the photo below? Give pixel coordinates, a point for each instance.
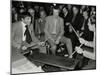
(67, 16)
(40, 25)
(77, 19)
(22, 32)
(19, 37)
(54, 30)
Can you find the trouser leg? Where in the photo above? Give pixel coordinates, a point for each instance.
(68, 44)
(53, 46)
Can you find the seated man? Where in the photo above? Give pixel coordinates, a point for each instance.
(19, 62)
(54, 30)
(88, 54)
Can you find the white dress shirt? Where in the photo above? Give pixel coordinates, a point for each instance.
(24, 29)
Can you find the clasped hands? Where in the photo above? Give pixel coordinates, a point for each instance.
(55, 41)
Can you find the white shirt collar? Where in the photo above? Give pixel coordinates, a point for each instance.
(24, 28)
(23, 24)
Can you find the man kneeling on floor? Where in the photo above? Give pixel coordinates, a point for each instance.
(21, 64)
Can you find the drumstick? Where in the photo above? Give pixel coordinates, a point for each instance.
(76, 34)
(75, 50)
(81, 45)
(78, 37)
(75, 31)
(73, 53)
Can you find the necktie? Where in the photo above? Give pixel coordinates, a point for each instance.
(28, 36)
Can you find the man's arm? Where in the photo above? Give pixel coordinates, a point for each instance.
(86, 53)
(35, 40)
(15, 40)
(87, 43)
(61, 29)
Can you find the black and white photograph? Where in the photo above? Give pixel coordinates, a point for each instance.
(52, 37)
